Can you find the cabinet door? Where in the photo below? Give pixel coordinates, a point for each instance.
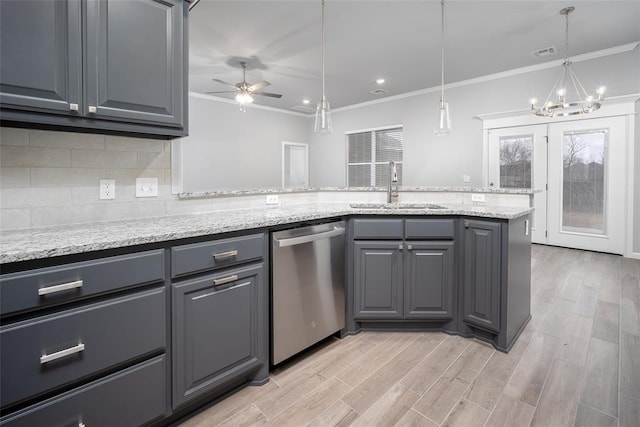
(429, 274)
(216, 331)
(134, 60)
(482, 284)
(40, 55)
(378, 280)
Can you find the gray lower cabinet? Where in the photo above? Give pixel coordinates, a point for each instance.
(482, 269)
(132, 397)
(217, 331)
(111, 65)
(378, 287)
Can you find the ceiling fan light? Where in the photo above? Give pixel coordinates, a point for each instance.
(244, 98)
(323, 117)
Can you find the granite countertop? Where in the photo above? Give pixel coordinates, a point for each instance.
(38, 243)
(257, 192)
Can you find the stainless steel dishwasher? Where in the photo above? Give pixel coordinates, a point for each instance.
(308, 287)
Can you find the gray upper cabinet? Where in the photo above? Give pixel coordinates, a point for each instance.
(112, 65)
(41, 55)
(482, 280)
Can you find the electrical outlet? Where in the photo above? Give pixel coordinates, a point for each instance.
(272, 199)
(466, 178)
(146, 187)
(107, 189)
(478, 198)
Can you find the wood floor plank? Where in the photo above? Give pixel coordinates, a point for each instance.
(491, 381)
(586, 302)
(342, 358)
(389, 409)
(415, 419)
(628, 411)
(511, 412)
(471, 361)
(426, 372)
(306, 409)
(606, 324)
(630, 365)
(248, 417)
(338, 415)
(383, 353)
(589, 417)
(570, 288)
(559, 399)
(278, 400)
(380, 381)
(441, 398)
(600, 388)
(466, 414)
(630, 305)
(228, 407)
(528, 378)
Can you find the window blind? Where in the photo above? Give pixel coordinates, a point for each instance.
(369, 153)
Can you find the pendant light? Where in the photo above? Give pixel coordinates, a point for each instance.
(444, 122)
(567, 84)
(323, 111)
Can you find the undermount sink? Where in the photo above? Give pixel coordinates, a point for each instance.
(392, 206)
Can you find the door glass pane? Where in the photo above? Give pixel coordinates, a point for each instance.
(515, 161)
(583, 181)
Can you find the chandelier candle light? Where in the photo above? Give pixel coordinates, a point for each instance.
(444, 124)
(323, 111)
(568, 82)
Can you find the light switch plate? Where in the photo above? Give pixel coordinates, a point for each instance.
(146, 187)
(466, 178)
(272, 199)
(478, 198)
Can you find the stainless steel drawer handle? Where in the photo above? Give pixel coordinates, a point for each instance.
(60, 288)
(81, 425)
(62, 353)
(223, 255)
(218, 282)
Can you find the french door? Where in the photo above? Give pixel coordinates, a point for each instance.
(587, 184)
(518, 159)
(580, 168)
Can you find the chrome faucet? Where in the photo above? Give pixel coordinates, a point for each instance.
(392, 196)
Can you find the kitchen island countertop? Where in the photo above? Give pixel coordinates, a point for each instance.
(39, 243)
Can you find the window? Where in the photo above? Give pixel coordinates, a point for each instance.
(515, 161)
(368, 156)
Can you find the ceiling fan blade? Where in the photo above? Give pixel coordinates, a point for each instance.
(224, 91)
(272, 95)
(258, 86)
(223, 82)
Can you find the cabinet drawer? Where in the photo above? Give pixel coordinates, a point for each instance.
(61, 284)
(429, 229)
(128, 398)
(55, 350)
(197, 257)
(378, 229)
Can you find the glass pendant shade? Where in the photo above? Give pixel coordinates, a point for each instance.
(323, 117)
(444, 123)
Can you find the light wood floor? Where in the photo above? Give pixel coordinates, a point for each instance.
(576, 363)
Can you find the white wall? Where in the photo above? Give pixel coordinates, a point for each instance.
(636, 182)
(228, 149)
(434, 161)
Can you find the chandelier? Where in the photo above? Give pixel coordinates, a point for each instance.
(568, 83)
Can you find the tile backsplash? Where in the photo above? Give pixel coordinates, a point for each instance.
(52, 178)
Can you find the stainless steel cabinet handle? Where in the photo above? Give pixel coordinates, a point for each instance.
(73, 107)
(92, 109)
(218, 282)
(62, 353)
(223, 255)
(401, 246)
(409, 247)
(60, 288)
(81, 425)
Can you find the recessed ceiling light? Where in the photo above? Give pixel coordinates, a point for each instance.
(380, 81)
(305, 101)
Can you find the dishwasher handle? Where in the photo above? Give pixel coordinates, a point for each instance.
(292, 241)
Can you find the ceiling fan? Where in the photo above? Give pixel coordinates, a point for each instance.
(244, 90)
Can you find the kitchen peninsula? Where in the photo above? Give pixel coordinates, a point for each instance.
(164, 287)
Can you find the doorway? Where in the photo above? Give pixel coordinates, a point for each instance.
(580, 169)
(295, 165)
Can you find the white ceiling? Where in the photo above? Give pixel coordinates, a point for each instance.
(398, 40)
